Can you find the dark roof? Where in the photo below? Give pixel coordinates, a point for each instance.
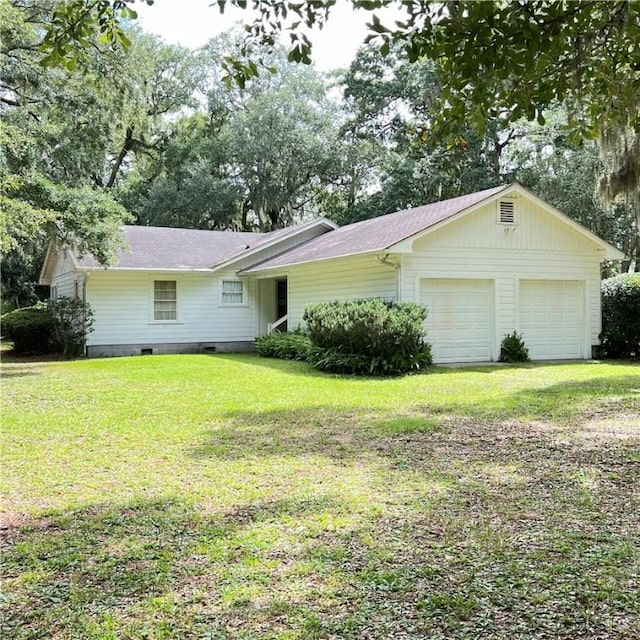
(376, 234)
(171, 248)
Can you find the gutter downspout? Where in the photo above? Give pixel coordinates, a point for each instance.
(384, 259)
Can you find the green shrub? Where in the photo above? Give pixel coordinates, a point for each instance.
(513, 348)
(30, 329)
(72, 321)
(286, 345)
(367, 337)
(55, 326)
(620, 335)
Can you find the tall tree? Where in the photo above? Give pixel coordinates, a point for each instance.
(391, 101)
(153, 83)
(566, 175)
(495, 58)
(55, 132)
(283, 142)
(258, 159)
(66, 136)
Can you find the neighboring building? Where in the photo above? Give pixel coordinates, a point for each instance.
(484, 264)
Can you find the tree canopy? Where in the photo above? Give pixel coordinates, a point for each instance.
(99, 135)
(495, 60)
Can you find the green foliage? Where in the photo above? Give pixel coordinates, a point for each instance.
(72, 321)
(20, 270)
(513, 348)
(30, 329)
(367, 337)
(620, 335)
(86, 217)
(390, 101)
(257, 159)
(56, 326)
(512, 46)
(74, 27)
(515, 47)
(286, 345)
(565, 175)
(66, 138)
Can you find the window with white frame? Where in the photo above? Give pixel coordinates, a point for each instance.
(165, 300)
(233, 292)
(54, 292)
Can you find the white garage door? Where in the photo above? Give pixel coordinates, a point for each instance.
(459, 324)
(551, 318)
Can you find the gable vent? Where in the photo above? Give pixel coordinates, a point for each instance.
(507, 212)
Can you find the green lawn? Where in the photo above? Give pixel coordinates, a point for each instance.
(211, 497)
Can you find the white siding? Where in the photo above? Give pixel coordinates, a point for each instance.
(534, 230)
(541, 248)
(537, 247)
(64, 276)
(123, 306)
(340, 279)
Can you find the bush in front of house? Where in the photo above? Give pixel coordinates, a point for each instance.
(29, 328)
(72, 322)
(286, 345)
(513, 348)
(620, 337)
(367, 337)
(55, 326)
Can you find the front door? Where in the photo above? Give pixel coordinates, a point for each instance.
(281, 298)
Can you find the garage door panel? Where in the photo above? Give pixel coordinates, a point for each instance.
(459, 324)
(551, 318)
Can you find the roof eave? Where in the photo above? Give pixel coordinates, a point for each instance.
(406, 244)
(611, 252)
(258, 269)
(225, 264)
(42, 279)
(85, 269)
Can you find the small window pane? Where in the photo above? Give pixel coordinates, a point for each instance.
(165, 300)
(231, 286)
(232, 292)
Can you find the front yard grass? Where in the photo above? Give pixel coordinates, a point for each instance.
(178, 497)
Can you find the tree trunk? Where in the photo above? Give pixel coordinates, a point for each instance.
(126, 147)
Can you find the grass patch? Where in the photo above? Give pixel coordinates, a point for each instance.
(235, 497)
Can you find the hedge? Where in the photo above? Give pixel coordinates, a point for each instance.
(30, 329)
(286, 345)
(367, 337)
(55, 326)
(620, 337)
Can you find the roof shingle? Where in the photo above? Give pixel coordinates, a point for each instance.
(376, 234)
(171, 248)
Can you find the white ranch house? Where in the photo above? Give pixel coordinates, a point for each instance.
(484, 264)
